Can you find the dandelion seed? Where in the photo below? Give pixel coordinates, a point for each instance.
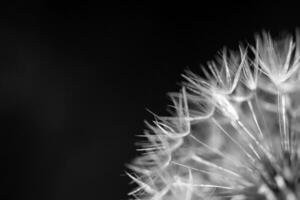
(234, 133)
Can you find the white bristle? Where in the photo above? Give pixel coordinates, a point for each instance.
(234, 133)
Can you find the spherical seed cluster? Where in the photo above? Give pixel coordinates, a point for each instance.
(233, 133)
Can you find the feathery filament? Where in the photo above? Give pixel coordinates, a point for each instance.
(234, 132)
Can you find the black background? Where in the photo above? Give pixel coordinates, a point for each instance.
(76, 77)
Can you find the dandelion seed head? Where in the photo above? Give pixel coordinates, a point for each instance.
(233, 133)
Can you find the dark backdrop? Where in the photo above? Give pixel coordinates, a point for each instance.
(76, 77)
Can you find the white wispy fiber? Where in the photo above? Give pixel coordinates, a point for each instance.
(233, 133)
